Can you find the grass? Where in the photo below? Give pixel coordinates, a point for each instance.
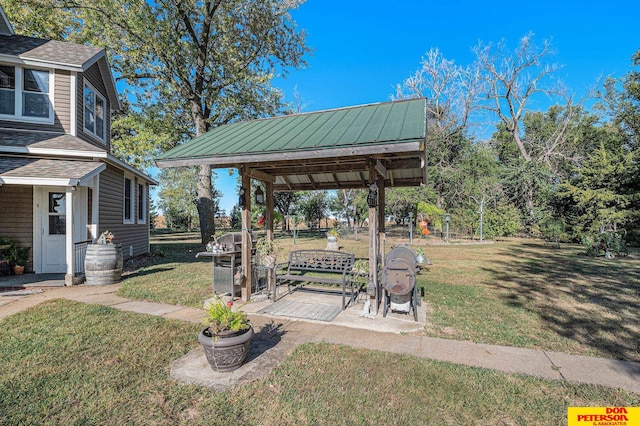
(515, 292)
(65, 362)
(525, 293)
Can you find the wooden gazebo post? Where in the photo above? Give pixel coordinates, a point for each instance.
(246, 235)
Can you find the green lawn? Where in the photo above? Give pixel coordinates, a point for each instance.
(65, 362)
(516, 292)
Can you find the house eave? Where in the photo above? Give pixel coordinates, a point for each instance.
(123, 165)
(40, 63)
(52, 152)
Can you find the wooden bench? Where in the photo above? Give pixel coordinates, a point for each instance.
(302, 262)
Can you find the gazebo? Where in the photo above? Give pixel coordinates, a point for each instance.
(370, 146)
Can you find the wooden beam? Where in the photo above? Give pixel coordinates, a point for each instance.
(381, 169)
(363, 180)
(288, 182)
(262, 157)
(313, 183)
(262, 176)
(357, 184)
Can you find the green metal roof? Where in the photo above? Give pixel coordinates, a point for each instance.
(362, 125)
(325, 139)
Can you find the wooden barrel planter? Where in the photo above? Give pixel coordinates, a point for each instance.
(103, 264)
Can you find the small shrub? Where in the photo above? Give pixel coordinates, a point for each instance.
(605, 244)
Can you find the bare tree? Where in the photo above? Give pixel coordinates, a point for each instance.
(451, 92)
(511, 80)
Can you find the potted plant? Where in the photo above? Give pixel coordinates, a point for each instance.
(103, 261)
(420, 255)
(18, 256)
(226, 337)
(267, 251)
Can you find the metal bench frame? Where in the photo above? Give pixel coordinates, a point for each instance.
(324, 261)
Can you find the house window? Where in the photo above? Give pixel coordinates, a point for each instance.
(35, 94)
(94, 112)
(7, 90)
(142, 204)
(57, 213)
(25, 93)
(128, 200)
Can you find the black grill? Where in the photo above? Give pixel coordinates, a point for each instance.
(399, 281)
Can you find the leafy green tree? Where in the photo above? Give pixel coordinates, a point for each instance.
(623, 103)
(400, 201)
(285, 204)
(177, 197)
(138, 136)
(501, 220)
(342, 205)
(43, 19)
(314, 206)
(598, 190)
(153, 213)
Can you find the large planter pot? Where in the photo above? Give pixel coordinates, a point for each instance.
(332, 243)
(103, 264)
(225, 352)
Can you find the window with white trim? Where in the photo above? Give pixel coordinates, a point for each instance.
(142, 203)
(129, 190)
(25, 94)
(95, 107)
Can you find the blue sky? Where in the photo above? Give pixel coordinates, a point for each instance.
(363, 49)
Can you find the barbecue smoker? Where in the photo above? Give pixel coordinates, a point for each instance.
(399, 282)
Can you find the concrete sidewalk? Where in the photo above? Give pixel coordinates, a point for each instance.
(277, 336)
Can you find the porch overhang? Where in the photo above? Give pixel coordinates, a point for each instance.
(48, 172)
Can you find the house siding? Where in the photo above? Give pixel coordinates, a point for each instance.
(111, 215)
(16, 216)
(62, 100)
(93, 76)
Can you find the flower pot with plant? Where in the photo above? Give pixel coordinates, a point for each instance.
(18, 257)
(420, 255)
(332, 238)
(268, 251)
(226, 336)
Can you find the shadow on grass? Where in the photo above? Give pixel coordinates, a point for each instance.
(592, 301)
(173, 252)
(268, 337)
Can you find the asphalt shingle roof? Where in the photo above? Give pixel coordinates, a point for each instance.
(23, 167)
(45, 140)
(56, 52)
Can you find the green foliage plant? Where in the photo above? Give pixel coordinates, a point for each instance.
(266, 247)
(334, 232)
(221, 318)
(18, 255)
(605, 244)
(432, 213)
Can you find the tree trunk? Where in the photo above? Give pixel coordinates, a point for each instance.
(205, 204)
(206, 208)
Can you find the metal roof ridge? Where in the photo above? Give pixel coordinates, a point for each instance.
(326, 111)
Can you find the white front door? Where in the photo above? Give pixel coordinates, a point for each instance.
(51, 221)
